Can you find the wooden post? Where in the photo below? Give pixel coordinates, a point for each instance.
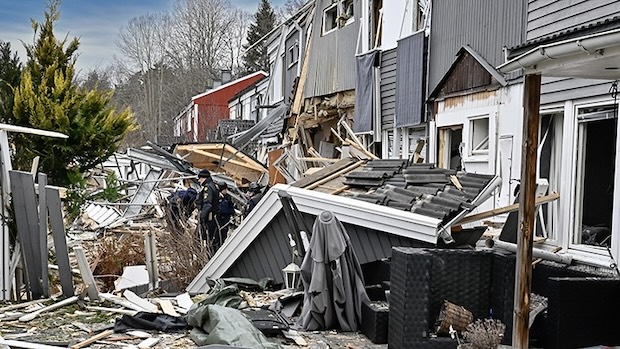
(527, 210)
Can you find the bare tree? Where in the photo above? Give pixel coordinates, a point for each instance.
(142, 42)
(289, 8)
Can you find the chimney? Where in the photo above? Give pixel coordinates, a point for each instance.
(217, 83)
(226, 76)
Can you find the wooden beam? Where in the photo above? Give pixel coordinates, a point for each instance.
(334, 175)
(527, 211)
(92, 339)
(506, 209)
(229, 161)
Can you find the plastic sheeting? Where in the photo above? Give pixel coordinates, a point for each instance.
(215, 324)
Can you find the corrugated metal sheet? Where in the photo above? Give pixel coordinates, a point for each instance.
(266, 256)
(410, 80)
(546, 17)
(388, 88)
(485, 25)
(331, 65)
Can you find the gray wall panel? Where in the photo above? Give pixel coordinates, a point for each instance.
(388, 88)
(486, 25)
(331, 65)
(562, 90)
(546, 17)
(269, 253)
(410, 92)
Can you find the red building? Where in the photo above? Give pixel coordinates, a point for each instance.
(198, 121)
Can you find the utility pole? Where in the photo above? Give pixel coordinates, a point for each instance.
(527, 196)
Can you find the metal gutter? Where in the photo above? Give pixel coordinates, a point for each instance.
(590, 44)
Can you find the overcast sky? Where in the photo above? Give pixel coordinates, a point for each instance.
(95, 22)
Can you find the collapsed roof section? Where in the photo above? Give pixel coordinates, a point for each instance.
(433, 206)
(218, 157)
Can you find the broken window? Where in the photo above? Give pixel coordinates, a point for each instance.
(346, 13)
(416, 140)
(377, 27)
(450, 148)
(338, 15)
(479, 136)
(549, 155)
(594, 189)
(330, 19)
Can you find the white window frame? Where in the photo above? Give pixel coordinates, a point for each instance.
(293, 50)
(555, 178)
(577, 193)
(330, 8)
(470, 141)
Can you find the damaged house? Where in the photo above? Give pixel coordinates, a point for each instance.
(198, 121)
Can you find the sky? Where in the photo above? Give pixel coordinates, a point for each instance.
(95, 22)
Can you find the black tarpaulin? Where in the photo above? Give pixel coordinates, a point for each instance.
(332, 279)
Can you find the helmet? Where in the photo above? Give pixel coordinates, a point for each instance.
(222, 185)
(254, 186)
(204, 173)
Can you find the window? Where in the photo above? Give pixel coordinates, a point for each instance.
(338, 15)
(416, 140)
(479, 136)
(549, 155)
(330, 19)
(188, 116)
(292, 55)
(594, 187)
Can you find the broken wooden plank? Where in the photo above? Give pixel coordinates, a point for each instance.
(184, 301)
(60, 242)
(60, 304)
(167, 308)
(139, 301)
(112, 310)
(23, 305)
(87, 275)
(149, 342)
(92, 339)
(506, 209)
(27, 345)
(122, 302)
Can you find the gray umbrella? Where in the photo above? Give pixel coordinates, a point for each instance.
(332, 279)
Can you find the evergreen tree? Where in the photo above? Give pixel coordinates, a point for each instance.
(10, 71)
(256, 57)
(48, 98)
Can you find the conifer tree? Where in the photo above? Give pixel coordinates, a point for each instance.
(256, 57)
(48, 98)
(10, 71)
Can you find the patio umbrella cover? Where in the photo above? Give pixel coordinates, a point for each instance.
(332, 279)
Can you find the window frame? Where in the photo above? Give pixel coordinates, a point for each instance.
(473, 151)
(330, 8)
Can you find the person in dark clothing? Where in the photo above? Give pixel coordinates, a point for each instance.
(256, 194)
(181, 204)
(227, 209)
(208, 202)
